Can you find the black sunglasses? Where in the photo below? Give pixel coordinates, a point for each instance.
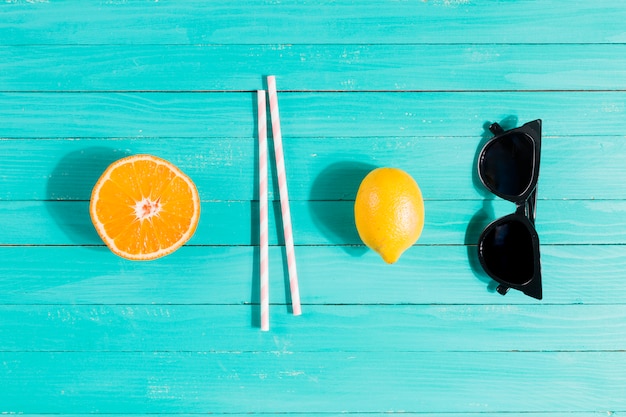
(508, 248)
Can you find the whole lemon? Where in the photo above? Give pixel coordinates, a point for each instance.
(389, 212)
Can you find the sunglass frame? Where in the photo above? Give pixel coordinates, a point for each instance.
(524, 214)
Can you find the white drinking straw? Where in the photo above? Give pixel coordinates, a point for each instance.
(263, 235)
(284, 196)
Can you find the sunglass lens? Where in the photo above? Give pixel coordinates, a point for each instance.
(507, 251)
(506, 164)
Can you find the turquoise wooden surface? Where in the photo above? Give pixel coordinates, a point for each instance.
(411, 84)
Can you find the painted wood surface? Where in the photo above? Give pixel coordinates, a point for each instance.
(346, 67)
(411, 84)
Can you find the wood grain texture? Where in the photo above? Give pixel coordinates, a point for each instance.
(299, 21)
(307, 114)
(432, 274)
(314, 67)
(153, 382)
(355, 328)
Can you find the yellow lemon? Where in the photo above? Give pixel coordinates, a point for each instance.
(389, 212)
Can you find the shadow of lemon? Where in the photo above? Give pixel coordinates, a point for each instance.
(338, 183)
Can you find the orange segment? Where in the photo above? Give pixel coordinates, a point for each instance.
(144, 207)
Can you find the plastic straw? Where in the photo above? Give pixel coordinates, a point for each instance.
(284, 196)
(263, 217)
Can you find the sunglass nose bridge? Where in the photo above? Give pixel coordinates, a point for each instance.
(528, 207)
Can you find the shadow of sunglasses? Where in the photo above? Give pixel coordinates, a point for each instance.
(508, 248)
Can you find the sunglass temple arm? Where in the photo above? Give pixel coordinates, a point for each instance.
(502, 289)
(496, 129)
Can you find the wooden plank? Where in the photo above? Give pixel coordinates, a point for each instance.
(307, 114)
(572, 274)
(449, 222)
(370, 414)
(146, 382)
(372, 328)
(318, 168)
(297, 21)
(313, 67)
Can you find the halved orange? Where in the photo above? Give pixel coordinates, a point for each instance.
(144, 207)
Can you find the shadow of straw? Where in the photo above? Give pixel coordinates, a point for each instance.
(69, 190)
